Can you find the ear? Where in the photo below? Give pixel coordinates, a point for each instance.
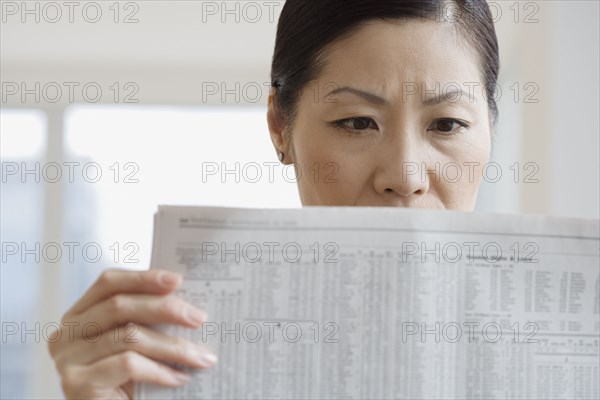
(277, 129)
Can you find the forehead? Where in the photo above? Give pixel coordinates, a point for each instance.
(387, 54)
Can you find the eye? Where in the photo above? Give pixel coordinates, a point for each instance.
(356, 125)
(448, 125)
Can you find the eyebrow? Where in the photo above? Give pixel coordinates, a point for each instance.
(370, 97)
(373, 98)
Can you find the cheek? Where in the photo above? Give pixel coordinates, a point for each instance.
(326, 177)
(459, 177)
(478, 156)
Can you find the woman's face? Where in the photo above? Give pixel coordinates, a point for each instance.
(383, 124)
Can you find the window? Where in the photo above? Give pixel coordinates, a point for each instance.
(23, 143)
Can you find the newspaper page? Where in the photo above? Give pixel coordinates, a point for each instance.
(385, 303)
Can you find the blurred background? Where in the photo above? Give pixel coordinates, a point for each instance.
(111, 108)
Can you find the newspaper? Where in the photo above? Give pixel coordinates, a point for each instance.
(385, 303)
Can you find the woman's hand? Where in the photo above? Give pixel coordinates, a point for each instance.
(104, 366)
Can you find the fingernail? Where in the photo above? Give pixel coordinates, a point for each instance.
(195, 316)
(209, 358)
(180, 377)
(206, 359)
(169, 280)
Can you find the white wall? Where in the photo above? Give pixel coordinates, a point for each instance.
(574, 110)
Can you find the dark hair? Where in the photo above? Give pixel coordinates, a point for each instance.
(307, 27)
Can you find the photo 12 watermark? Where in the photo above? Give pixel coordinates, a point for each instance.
(468, 332)
(252, 252)
(69, 92)
(56, 12)
(69, 252)
(125, 172)
(248, 12)
(253, 92)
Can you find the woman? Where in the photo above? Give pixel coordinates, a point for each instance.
(376, 99)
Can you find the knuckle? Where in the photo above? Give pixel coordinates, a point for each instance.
(110, 341)
(128, 361)
(179, 342)
(116, 304)
(171, 306)
(139, 278)
(69, 377)
(181, 348)
(106, 277)
(56, 343)
(129, 339)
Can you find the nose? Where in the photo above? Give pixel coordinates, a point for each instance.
(402, 173)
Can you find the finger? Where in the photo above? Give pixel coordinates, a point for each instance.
(121, 368)
(143, 340)
(113, 281)
(140, 308)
